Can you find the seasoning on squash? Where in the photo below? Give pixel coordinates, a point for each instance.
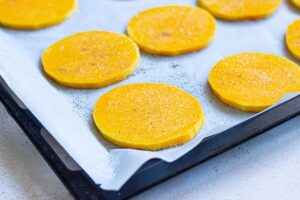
(148, 116)
(91, 59)
(240, 9)
(172, 30)
(35, 14)
(254, 81)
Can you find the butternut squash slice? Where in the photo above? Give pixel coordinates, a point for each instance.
(254, 81)
(91, 59)
(293, 38)
(35, 14)
(240, 9)
(172, 30)
(148, 116)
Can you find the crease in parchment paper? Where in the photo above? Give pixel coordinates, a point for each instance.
(67, 113)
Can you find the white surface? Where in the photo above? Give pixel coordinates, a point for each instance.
(189, 72)
(266, 167)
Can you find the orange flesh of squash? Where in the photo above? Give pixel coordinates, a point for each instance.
(293, 38)
(35, 14)
(91, 59)
(240, 9)
(172, 30)
(254, 81)
(148, 116)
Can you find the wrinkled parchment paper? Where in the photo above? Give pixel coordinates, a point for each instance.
(66, 113)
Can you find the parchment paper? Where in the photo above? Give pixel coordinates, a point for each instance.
(66, 113)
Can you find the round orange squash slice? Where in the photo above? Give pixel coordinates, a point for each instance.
(91, 59)
(148, 116)
(172, 30)
(293, 38)
(35, 14)
(240, 9)
(254, 81)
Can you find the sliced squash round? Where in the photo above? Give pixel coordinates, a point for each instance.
(35, 14)
(91, 59)
(240, 9)
(254, 81)
(148, 116)
(172, 30)
(293, 38)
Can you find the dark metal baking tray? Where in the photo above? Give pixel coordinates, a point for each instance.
(155, 171)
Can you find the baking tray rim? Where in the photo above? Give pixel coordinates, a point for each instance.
(80, 184)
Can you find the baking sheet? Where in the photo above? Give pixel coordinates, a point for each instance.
(66, 113)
